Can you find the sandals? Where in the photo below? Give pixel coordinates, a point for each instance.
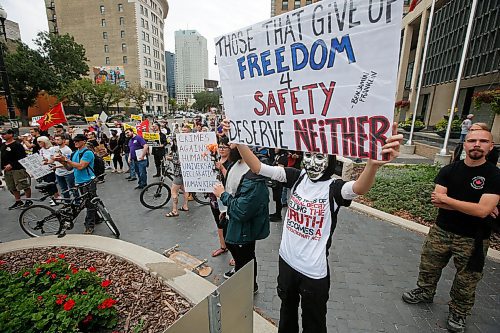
(172, 214)
(182, 209)
(231, 262)
(219, 251)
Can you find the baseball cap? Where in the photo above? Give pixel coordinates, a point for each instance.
(80, 137)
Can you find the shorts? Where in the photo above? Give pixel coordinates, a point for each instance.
(178, 181)
(17, 180)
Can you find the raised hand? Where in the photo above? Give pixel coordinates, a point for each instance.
(391, 148)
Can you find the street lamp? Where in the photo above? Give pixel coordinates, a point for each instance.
(3, 72)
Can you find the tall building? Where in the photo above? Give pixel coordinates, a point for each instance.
(481, 70)
(170, 67)
(123, 41)
(282, 6)
(191, 65)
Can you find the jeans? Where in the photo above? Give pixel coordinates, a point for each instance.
(295, 288)
(243, 254)
(131, 166)
(141, 171)
(91, 216)
(66, 184)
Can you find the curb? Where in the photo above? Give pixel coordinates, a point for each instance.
(191, 286)
(407, 224)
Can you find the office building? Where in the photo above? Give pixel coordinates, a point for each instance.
(170, 67)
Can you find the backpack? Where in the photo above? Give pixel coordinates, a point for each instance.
(99, 165)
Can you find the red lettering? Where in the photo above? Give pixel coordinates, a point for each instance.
(258, 95)
(294, 100)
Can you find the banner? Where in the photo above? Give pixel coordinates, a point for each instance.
(196, 163)
(137, 117)
(34, 166)
(321, 78)
(152, 139)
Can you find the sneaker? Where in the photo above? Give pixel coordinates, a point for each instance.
(275, 218)
(128, 177)
(417, 295)
(132, 179)
(88, 231)
(227, 275)
(456, 322)
(52, 203)
(17, 204)
(27, 203)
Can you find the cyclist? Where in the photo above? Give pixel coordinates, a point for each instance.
(82, 162)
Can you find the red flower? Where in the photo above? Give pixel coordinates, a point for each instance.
(53, 276)
(84, 292)
(92, 269)
(74, 270)
(38, 270)
(48, 273)
(2, 262)
(25, 274)
(87, 319)
(107, 303)
(62, 256)
(48, 261)
(39, 298)
(69, 305)
(67, 277)
(105, 283)
(60, 299)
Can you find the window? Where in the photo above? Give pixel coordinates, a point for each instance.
(102, 9)
(122, 20)
(103, 23)
(120, 7)
(149, 61)
(409, 75)
(105, 35)
(122, 34)
(296, 4)
(124, 47)
(146, 12)
(106, 48)
(284, 5)
(142, 9)
(107, 61)
(145, 60)
(125, 59)
(308, 2)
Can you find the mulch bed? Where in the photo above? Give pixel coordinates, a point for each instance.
(494, 239)
(141, 297)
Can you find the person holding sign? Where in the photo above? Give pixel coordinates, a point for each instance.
(159, 149)
(138, 157)
(304, 275)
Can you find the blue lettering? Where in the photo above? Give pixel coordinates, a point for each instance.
(241, 67)
(253, 63)
(279, 60)
(265, 63)
(317, 66)
(296, 66)
(343, 45)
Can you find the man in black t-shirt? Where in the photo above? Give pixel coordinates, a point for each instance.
(466, 193)
(16, 177)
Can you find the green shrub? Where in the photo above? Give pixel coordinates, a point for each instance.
(407, 122)
(456, 125)
(405, 188)
(55, 296)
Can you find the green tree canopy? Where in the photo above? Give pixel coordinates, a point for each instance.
(205, 100)
(138, 94)
(78, 93)
(103, 95)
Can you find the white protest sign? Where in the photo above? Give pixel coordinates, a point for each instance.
(139, 154)
(35, 119)
(197, 166)
(321, 78)
(34, 166)
(103, 116)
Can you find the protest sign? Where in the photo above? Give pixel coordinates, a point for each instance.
(152, 139)
(321, 78)
(34, 166)
(139, 154)
(137, 117)
(103, 116)
(197, 166)
(34, 120)
(127, 126)
(90, 119)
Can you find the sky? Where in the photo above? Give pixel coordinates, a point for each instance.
(211, 18)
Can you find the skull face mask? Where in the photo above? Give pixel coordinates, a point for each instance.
(315, 164)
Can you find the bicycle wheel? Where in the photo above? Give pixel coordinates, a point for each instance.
(39, 220)
(106, 216)
(155, 195)
(201, 198)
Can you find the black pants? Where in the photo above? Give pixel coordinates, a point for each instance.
(295, 288)
(117, 160)
(277, 191)
(158, 156)
(243, 254)
(91, 216)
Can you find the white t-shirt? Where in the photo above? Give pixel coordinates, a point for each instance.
(307, 223)
(234, 175)
(466, 124)
(65, 151)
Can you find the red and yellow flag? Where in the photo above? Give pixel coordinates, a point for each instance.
(53, 117)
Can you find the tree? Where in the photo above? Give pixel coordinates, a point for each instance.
(29, 74)
(104, 94)
(138, 94)
(205, 100)
(78, 93)
(172, 103)
(57, 61)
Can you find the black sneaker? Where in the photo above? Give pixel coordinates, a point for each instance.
(227, 275)
(456, 322)
(275, 218)
(27, 203)
(132, 179)
(17, 204)
(417, 295)
(128, 177)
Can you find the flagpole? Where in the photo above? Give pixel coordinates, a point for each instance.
(422, 67)
(459, 77)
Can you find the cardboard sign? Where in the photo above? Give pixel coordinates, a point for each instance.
(197, 166)
(34, 166)
(127, 126)
(136, 117)
(321, 78)
(152, 139)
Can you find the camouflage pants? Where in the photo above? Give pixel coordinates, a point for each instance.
(438, 248)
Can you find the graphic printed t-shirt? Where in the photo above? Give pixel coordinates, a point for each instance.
(65, 151)
(85, 175)
(466, 183)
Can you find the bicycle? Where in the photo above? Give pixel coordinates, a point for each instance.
(40, 220)
(157, 195)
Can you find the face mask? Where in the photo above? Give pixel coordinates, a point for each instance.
(315, 164)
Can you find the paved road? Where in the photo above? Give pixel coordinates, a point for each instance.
(372, 262)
